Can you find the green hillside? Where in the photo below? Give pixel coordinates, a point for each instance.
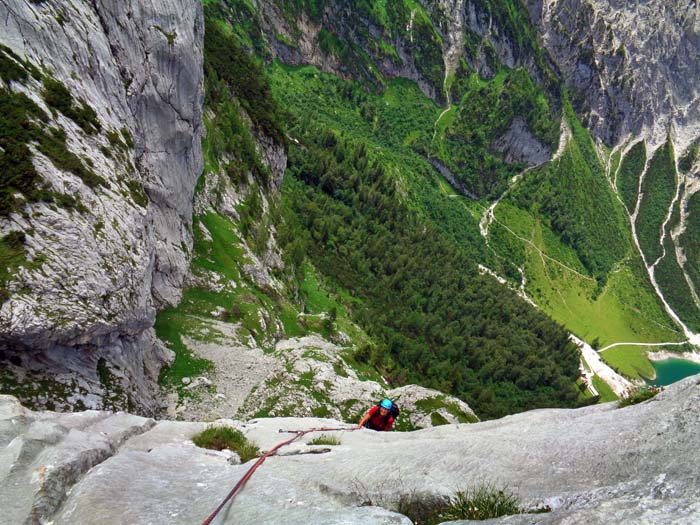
(374, 236)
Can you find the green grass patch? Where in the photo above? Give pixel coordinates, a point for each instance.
(606, 393)
(316, 298)
(437, 419)
(290, 320)
(325, 439)
(224, 253)
(631, 361)
(625, 309)
(170, 326)
(220, 438)
(432, 404)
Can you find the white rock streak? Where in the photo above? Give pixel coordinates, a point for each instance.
(692, 337)
(619, 384)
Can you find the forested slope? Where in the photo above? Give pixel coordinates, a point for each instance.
(394, 246)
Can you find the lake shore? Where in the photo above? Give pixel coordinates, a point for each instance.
(662, 355)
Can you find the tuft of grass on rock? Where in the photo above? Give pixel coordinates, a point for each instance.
(481, 503)
(325, 439)
(638, 396)
(219, 438)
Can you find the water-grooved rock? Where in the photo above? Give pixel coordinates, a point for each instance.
(597, 464)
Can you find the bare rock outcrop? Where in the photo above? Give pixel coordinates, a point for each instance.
(598, 464)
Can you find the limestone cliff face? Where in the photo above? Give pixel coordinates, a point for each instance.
(631, 66)
(81, 308)
(598, 464)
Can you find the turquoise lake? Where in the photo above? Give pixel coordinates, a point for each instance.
(671, 370)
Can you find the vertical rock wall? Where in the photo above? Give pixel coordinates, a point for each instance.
(77, 326)
(632, 67)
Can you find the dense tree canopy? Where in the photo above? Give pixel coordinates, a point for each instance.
(439, 322)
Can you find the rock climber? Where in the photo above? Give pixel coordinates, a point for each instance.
(380, 417)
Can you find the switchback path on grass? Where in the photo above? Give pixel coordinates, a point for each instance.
(642, 344)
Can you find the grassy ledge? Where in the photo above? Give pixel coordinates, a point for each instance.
(220, 438)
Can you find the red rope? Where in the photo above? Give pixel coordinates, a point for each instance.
(237, 488)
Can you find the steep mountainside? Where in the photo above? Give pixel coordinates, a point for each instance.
(400, 191)
(100, 135)
(631, 66)
(632, 72)
(603, 249)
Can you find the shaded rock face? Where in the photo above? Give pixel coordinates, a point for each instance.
(598, 464)
(631, 66)
(94, 276)
(519, 145)
(343, 19)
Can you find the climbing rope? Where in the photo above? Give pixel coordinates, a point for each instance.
(237, 488)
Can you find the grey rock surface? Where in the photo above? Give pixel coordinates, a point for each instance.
(104, 270)
(631, 66)
(519, 145)
(598, 464)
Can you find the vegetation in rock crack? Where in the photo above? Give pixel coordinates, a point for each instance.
(639, 395)
(325, 439)
(481, 502)
(59, 98)
(12, 256)
(219, 438)
(24, 123)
